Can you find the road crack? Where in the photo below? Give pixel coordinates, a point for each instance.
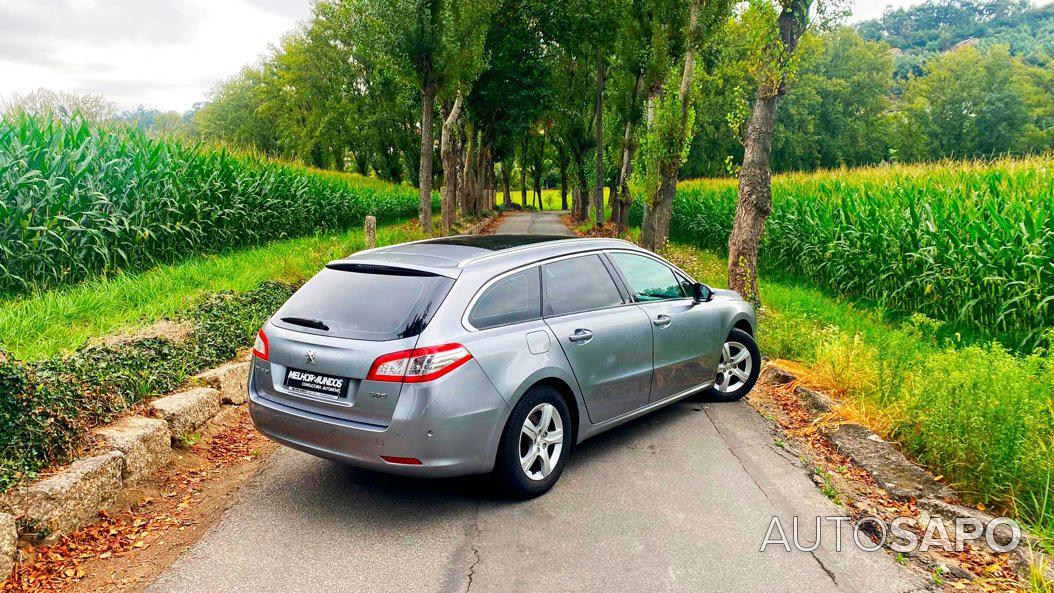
(739, 460)
(476, 554)
(830, 573)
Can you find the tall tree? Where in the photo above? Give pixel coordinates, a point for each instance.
(439, 45)
(671, 125)
(776, 31)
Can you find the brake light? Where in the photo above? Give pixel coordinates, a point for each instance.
(418, 365)
(401, 460)
(260, 346)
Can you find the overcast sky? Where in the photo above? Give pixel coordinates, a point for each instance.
(157, 53)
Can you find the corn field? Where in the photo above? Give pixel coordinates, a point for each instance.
(971, 244)
(81, 199)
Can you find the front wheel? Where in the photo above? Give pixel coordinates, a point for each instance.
(535, 444)
(737, 372)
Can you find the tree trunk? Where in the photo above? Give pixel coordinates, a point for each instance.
(629, 148)
(582, 196)
(657, 214)
(469, 172)
(754, 197)
(506, 197)
(539, 169)
(449, 156)
(563, 182)
(523, 171)
(428, 96)
(598, 200)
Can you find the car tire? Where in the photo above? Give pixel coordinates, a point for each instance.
(736, 372)
(541, 404)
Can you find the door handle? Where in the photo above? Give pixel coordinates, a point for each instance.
(662, 321)
(581, 336)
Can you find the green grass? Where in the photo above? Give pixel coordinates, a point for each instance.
(977, 414)
(550, 198)
(47, 323)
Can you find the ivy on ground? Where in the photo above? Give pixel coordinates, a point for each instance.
(48, 407)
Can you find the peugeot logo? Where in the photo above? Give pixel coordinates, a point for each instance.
(309, 357)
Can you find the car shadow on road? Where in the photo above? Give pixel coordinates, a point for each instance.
(390, 500)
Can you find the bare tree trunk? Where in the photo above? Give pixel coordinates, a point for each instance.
(598, 200)
(449, 156)
(563, 182)
(754, 199)
(470, 172)
(580, 208)
(538, 170)
(428, 95)
(629, 147)
(506, 197)
(656, 229)
(523, 170)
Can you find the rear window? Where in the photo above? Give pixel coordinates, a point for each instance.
(578, 284)
(513, 299)
(364, 303)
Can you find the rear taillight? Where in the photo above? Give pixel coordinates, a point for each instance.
(418, 365)
(260, 346)
(401, 460)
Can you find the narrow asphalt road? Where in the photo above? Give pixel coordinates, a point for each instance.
(680, 500)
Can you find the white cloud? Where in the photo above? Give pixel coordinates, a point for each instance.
(158, 53)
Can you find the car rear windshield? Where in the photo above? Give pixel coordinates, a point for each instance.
(364, 302)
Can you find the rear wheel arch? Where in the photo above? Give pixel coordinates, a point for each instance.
(569, 398)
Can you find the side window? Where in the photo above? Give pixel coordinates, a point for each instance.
(649, 280)
(512, 299)
(578, 284)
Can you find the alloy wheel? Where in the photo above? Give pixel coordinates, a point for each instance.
(541, 441)
(735, 367)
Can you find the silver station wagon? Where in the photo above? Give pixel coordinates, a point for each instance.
(497, 353)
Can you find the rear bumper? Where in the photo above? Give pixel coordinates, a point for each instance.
(451, 425)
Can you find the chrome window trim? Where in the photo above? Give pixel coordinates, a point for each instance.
(594, 251)
(479, 293)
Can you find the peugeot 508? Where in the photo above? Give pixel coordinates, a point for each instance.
(486, 354)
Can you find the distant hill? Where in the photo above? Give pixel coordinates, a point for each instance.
(939, 25)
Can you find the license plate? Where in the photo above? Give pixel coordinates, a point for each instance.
(316, 384)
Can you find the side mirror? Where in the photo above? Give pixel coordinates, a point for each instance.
(702, 293)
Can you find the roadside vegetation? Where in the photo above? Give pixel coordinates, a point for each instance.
(72, 358)
(970, 244)
(84, 199)
(47, 323)
(977, 414)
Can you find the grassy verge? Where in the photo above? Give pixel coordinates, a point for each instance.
(72, 383)
(977, 414)
(47, 323)
(550, 198)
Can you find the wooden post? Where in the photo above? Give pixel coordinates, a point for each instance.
(371, 232)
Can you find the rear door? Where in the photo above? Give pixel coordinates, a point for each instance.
(606, 341)
(324, 340)
(684, 333)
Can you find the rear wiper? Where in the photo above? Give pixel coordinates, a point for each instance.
(312, 323)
